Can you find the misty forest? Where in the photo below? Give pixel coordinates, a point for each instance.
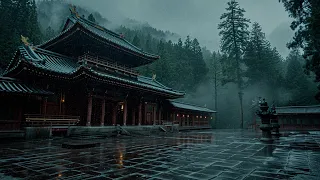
(229, 79)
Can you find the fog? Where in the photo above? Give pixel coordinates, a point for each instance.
(197, 18)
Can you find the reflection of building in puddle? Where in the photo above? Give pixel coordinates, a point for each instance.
(120, 155)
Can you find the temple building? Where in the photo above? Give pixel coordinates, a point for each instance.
(87, 72)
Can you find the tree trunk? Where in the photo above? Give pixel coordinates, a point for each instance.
(241, 107)
(239, 77)
(215, 95)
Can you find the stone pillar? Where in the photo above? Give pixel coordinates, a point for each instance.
(133, 116)
(125, 113)
(89, 112)
(154, 113)
(140, 113)
(103, 111)
(114, 114)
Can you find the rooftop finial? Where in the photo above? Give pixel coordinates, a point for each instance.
(25, 40)
(73, 10)
(154, 76)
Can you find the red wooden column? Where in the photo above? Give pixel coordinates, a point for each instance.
(89, 113)
(103, 111)
(125, 113)
(133, 116)
(140, 113)
(154, 113)
(114, 114)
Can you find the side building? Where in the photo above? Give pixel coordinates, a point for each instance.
(299, 117)
(87, 72)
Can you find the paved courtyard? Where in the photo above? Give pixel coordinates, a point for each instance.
(216, 154)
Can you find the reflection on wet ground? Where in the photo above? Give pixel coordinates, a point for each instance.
(217, 154)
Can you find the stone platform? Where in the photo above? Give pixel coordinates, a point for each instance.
(214, 154)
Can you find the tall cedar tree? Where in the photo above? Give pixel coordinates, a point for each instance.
(234, 32)
(262, 61)
(301, 88)
(307, 25)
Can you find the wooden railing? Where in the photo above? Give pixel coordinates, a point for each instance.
(51, 120)
(106, 63)
(9, 125)
(170, 123)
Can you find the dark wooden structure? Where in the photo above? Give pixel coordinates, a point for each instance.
(299, 117)
(90, 74)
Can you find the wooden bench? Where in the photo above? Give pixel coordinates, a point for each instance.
(51, 120)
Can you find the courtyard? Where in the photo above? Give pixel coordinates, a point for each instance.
(214, 154)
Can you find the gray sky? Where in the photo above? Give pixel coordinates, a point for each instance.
(198, 18)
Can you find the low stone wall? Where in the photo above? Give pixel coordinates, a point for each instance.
(109, 130)
(38, 132)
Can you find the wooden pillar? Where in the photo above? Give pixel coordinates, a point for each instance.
(145, 113)
(140, 113)
(133, 116)
(125, 113)
(89, 112)
(44, 105)
(114, 114)
(159, 114)
(154, 113)
(192, 116)
(103, 111)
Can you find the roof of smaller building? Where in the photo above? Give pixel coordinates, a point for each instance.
(298, 109)
(10, 85)
(191, 107)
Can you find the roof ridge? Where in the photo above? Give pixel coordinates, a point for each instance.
(298, 106)
(188, 104)
(51, 53)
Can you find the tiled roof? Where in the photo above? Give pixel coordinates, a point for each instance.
(298, 110)
(57, 63)
(181, 105)
(10, 85)
(104, 33)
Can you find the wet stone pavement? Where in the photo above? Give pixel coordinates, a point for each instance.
(216, 154)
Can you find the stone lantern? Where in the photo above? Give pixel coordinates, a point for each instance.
(274, 121)
(265, 126)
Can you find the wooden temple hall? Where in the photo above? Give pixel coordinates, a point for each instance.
(87, 73)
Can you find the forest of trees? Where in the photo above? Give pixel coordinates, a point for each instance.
(246, 59)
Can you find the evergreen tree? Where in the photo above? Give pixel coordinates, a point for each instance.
(18, 17)
(234, 34)
(136, 41)
(307, 25)
(91, 18)
(261, 60)
(302, 90)
(49, 33)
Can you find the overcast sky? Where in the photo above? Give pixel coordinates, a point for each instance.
(198, 18)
